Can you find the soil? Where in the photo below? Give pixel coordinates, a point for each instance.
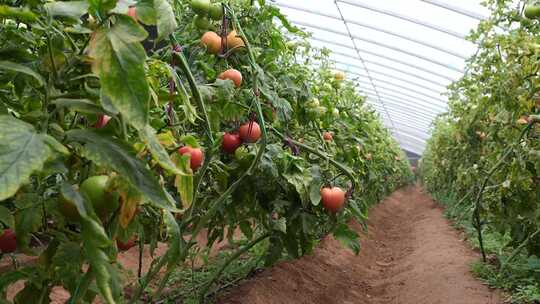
(410, 255)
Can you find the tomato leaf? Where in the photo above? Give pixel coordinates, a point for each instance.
(114, 154)
(148, 135)
(166, 21)
(6, 217)
(22, 152)
(347, 237)
(15, 67)
(119, 61)
(71, 9)
(78, 105)
(28, 219)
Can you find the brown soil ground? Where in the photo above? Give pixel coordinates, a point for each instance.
(411, 255)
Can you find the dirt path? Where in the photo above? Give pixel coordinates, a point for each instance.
(410, 256)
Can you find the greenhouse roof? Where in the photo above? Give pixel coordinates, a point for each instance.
(402, 54)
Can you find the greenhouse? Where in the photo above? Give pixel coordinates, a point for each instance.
(270, 151)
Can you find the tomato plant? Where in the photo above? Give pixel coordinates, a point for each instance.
(78, 182)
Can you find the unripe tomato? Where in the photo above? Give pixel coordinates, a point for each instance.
(132, 12)
(8, 241)
(328, 136)
(216, 11)
(250, 132)
(102, 121)
(127, 245)
(335, 113)
(532, 11)
(201, 22)
(212, 42)
(233, 75)
(241, 153)
(231, 142)
(314, 103)
(94, 189)
(333, 198)
(196, 156)
(233, 41)
(200, 7)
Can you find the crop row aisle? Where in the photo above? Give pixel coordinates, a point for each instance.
(155, 151)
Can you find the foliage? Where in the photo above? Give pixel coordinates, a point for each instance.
(484, 151)
(66, 67)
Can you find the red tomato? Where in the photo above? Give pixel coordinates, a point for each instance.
(196, 156)
(250, 132)
(233, 75)
(212, 42)
(231, 142)
(327, 136)
(102, 121)
(332, 198)
(132, 12)
(127, 245)
(8, 241)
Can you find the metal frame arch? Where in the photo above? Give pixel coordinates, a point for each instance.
(405, 101)
(435, 102)
(455, 9)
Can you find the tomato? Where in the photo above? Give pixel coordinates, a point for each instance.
(333, 198)
(8, 241)
(328, 136)
(127, 245)
(369, 156)
(200, 7)
(532, 11)
(523, 120)
(339, 76)
(314, 103)
(196, 156)
(102, 121)
(232, 75)
(212, 42)
(201, 22)
(231, 142)
(94, 189)
(250, 132)
(68, 209)
(132, 12)
(233, 41)
(216, 11)
(335, 113)
(241, 153)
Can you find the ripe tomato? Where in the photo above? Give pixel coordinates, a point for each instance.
(212, 42)
(8, 241)
(127, 245)
(94, 189)
(328, 136)
(231, 142)
(250, 132)
(216, 11)
(200, 7)
(233, 41)
(196, 156)
(132, 12)
(332, 198)
(102, 121)
(339, 76)
(233, 75)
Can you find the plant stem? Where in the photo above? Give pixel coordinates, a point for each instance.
(231, 259)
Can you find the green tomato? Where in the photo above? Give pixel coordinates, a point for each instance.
(532, 11)
(216, 11)
(201, 22)
(94, 189)
(335, 113)
(201, 7)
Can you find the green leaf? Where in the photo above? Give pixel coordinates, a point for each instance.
(184, 182)
(245, 227)
(280, 225)
(78, 105)
(71, 9)
(166, 21)
(174, 240)
(28, 219)
(119, 61)
(114, 154)
(148, 136)
(6, 217)
(22, 152)
(15, 67)
(347, 237)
